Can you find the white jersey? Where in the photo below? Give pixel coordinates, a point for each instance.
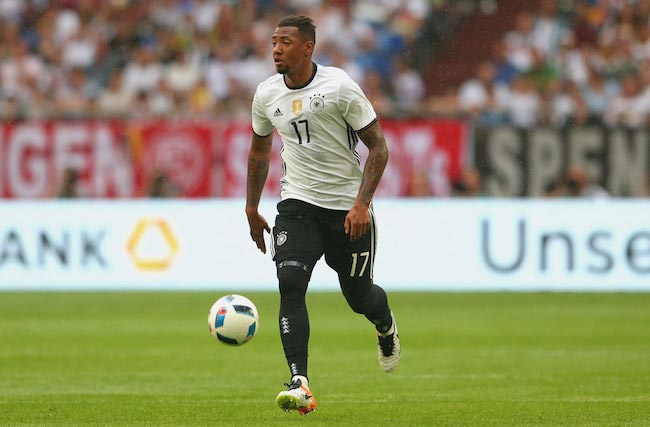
(317, 123)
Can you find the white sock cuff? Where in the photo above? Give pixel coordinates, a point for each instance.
(391, 330)
(388, 332)
(302, 378)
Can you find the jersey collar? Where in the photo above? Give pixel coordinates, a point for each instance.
(306, 83)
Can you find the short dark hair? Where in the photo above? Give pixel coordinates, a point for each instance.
(303, 23)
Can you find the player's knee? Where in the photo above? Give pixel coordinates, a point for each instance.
(293, 279)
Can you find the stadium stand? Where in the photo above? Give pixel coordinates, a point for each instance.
(552, 62)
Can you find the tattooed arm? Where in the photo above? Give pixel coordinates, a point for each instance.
(259, 158)
(357, 222)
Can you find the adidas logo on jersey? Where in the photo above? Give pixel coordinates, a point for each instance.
(277, 113)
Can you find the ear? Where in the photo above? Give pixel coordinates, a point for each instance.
(309, 48)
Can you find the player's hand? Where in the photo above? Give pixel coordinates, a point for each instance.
(357, 221)
(257, 225)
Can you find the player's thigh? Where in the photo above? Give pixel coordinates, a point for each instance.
(297, 235)
(352, 260)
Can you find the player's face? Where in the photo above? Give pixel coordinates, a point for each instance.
(289, 49)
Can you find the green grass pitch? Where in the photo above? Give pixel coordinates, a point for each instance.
(468, 359)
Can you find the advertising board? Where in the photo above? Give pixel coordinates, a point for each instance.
(424, 244)
(200, 159)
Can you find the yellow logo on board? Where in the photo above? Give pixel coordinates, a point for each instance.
(155, 263)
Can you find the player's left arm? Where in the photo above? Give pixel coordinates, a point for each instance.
(357, 221)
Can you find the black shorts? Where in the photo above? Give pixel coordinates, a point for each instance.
(304, 232)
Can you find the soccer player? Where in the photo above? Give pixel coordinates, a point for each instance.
(326, 197)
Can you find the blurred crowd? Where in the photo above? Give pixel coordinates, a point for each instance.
(588, 63)
(196, 58)
(582, 62)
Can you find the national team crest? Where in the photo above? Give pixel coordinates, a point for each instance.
(296, 106)
(316, 103)
(281, 239)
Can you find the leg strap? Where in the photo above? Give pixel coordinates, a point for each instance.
(298, 264)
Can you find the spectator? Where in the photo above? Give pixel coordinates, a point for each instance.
(221, 70)
(371, 56)
(74, 95)
(143, 73)
(445, 104)
(11, 11)
(589, 19)
(481, 98)
(23, 73)
(620, 61)
(79, 47)
(200, 102)
(644, 78)
(69, 186)
(163, 101)
(13, 108)
(523, 103)
(469, 184)
(548, 30)
(629, 108)
(166, 13)
(582, 115)
(205, 15)
(182, 74)
(376, 89)
(504, 71)
(338, 26)
(114, 100)
(541, 72)
(409, 86)
(577, 183)
(560, 104)
(255, 67)
(599, 93)
(520, 43)
(338, 58)
(160, 186)
(573, 62)
(641, 46)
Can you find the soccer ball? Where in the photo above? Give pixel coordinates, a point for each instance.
(233, 319)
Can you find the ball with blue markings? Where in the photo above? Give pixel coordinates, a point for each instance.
(233, 320)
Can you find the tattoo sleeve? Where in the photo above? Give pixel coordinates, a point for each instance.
(259, 158)
(373, 138)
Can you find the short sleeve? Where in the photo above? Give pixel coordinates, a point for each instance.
(262, 126)
(355, 107)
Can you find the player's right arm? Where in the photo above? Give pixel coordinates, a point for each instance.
(259, 158)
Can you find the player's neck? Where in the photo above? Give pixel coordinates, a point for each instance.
(301, 76)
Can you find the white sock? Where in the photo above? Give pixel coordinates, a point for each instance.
(303, 380)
